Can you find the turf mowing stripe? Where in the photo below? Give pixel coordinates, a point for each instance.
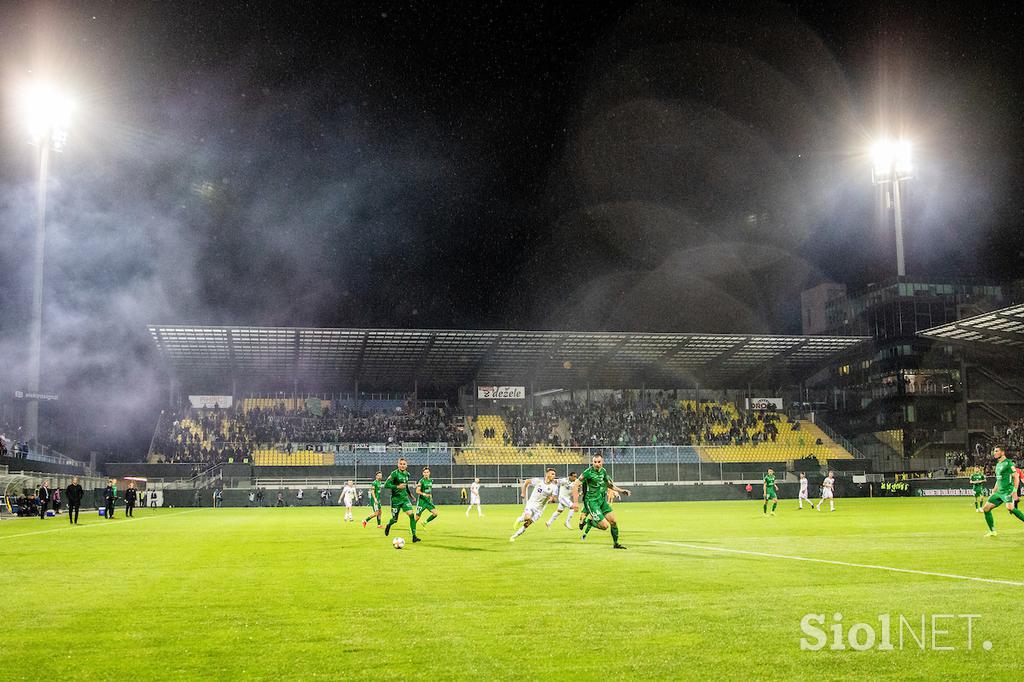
(840, 563)
(95, 525)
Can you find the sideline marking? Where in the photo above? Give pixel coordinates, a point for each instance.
(840, 563)
(95, 525)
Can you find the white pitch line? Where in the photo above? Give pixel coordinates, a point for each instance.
(840, 563)
(95, 525)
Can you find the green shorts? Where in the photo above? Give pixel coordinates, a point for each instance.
(771, 494)
(999, 498)
(979, 490)
(374, 505)
(422, 505)
(398, 507)
(598, 510)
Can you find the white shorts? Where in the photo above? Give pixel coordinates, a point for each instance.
(826, 493)
(474, 499)
(532, 513)
(348, 503)
(564, 503)
(803, 495)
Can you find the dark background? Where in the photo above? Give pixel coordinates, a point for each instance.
(601, 166)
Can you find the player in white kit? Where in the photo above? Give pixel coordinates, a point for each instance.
(803, 492)
(348, 496)
(827, 492)
(564, 499)
(544, 489)
(474, 497)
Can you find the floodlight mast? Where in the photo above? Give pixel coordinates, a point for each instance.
(47, 115)
(890, 165)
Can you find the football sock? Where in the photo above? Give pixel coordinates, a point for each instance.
(586, 528)
(990, 521)
(774, 505)
(412, 525)
(764, 509)
(1018, 513)
(430, 518)
(522, 529)
(569, 517)
(615, 534)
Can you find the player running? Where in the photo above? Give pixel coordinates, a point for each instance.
(978, 483)
(564, 499)
(424, 498)
(348, 497)
(771, 491)
(544, 489)
(598, 510)
(803, 492)
(375, 486)
(828, 492)
(474, 497)
(1005, 489)
(398, 484)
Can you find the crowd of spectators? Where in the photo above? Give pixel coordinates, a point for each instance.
(660, 420)
(1015, 435)
(214, 436)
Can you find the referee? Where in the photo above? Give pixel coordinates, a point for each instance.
(74, 493)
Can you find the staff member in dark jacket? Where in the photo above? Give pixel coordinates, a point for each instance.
(44, 498)
(109, 495)
(130, 496)
(74, 494)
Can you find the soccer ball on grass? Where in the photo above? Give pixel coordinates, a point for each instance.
(398, 543)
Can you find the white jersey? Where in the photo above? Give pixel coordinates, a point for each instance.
(564, 491)
(348, 493)
(474, 493)
(803, 487)
(826, 487)
(541, 492)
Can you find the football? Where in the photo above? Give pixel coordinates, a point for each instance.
(398, 543)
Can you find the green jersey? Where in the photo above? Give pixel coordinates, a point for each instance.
(425, 485)
(376, 485)
(596, 483)
(398, 496)
(769, 482)
(977, 478)
(1004, 477)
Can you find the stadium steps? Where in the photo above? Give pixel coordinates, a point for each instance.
(791, 444)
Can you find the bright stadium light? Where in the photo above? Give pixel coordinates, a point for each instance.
(47, 115)
(891, 164)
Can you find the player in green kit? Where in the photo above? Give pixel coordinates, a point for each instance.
(424, 498)
(1005, 489)
(771, 491)
(398, 484)
(978, 483)
(375, 486)
(597, 509)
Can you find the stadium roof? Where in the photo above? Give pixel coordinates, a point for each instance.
(999, 330)
(394, 358)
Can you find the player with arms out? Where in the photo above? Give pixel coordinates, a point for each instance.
(474, 498)
(978, 483)
(1004, 491)
(827, 492)
(771, 491)
(544, 489)
(398, 484)
(803, 492)
(348, 496)
(596, 506)
(425, 498)
(375, 486)
(564, 499)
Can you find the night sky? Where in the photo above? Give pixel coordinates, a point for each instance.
(617, 166)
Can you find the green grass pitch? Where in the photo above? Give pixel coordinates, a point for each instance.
(297, 594)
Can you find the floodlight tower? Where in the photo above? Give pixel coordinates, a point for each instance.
(891, 165)
(47, 115)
